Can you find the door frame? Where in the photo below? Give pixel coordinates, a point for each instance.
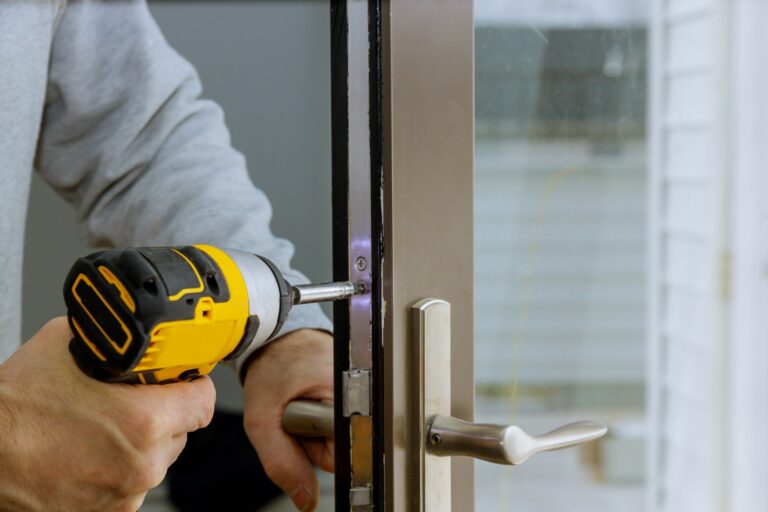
(357, 252)
(403, 155)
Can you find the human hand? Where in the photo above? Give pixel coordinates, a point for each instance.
(297, 365)
(71, 443)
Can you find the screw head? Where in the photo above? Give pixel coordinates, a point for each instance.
(361, 263)
(435, 439)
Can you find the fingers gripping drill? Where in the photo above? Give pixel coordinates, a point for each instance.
(167, 314)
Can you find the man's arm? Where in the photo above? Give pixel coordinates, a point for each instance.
(145, 161)
(127, 139)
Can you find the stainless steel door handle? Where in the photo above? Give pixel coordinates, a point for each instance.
(448, 436)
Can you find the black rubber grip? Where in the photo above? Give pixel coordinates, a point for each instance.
(286, 297)
(112, 331)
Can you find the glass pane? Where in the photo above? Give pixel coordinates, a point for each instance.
(560, 245)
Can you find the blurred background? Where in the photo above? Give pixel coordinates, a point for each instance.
(560, 244)
(621, 249)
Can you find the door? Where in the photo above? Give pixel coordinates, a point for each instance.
(514, 171)
(488, 169)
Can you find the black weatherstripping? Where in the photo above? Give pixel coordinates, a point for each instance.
(377, 248)
(340, 241)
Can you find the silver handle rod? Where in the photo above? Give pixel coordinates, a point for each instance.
(448, 436)
(308, 418)
(325, 292)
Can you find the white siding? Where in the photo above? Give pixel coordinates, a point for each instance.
(749, 354)
(559, 263)
(689, 192)
(709, 256)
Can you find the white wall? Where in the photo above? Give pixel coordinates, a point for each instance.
(707, 258)
(748, 378)
(688, 200)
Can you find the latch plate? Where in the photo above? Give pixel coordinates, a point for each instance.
(357, 393)
(360, 496)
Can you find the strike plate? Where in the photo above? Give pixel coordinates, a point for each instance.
(357, 393)
(431, 392)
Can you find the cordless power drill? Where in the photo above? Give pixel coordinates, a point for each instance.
(166, 314)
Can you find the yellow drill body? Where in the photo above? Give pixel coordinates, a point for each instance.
(154, 315)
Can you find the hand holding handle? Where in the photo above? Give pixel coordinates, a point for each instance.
(448, 436)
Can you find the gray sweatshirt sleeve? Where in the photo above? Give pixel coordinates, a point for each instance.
(127, 140)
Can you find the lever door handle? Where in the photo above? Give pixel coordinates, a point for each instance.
(448, 436)
(502, 444)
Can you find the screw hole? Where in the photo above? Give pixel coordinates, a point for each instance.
(150, 286)
(213, 285)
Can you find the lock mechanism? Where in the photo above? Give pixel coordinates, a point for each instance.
(437, 434)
